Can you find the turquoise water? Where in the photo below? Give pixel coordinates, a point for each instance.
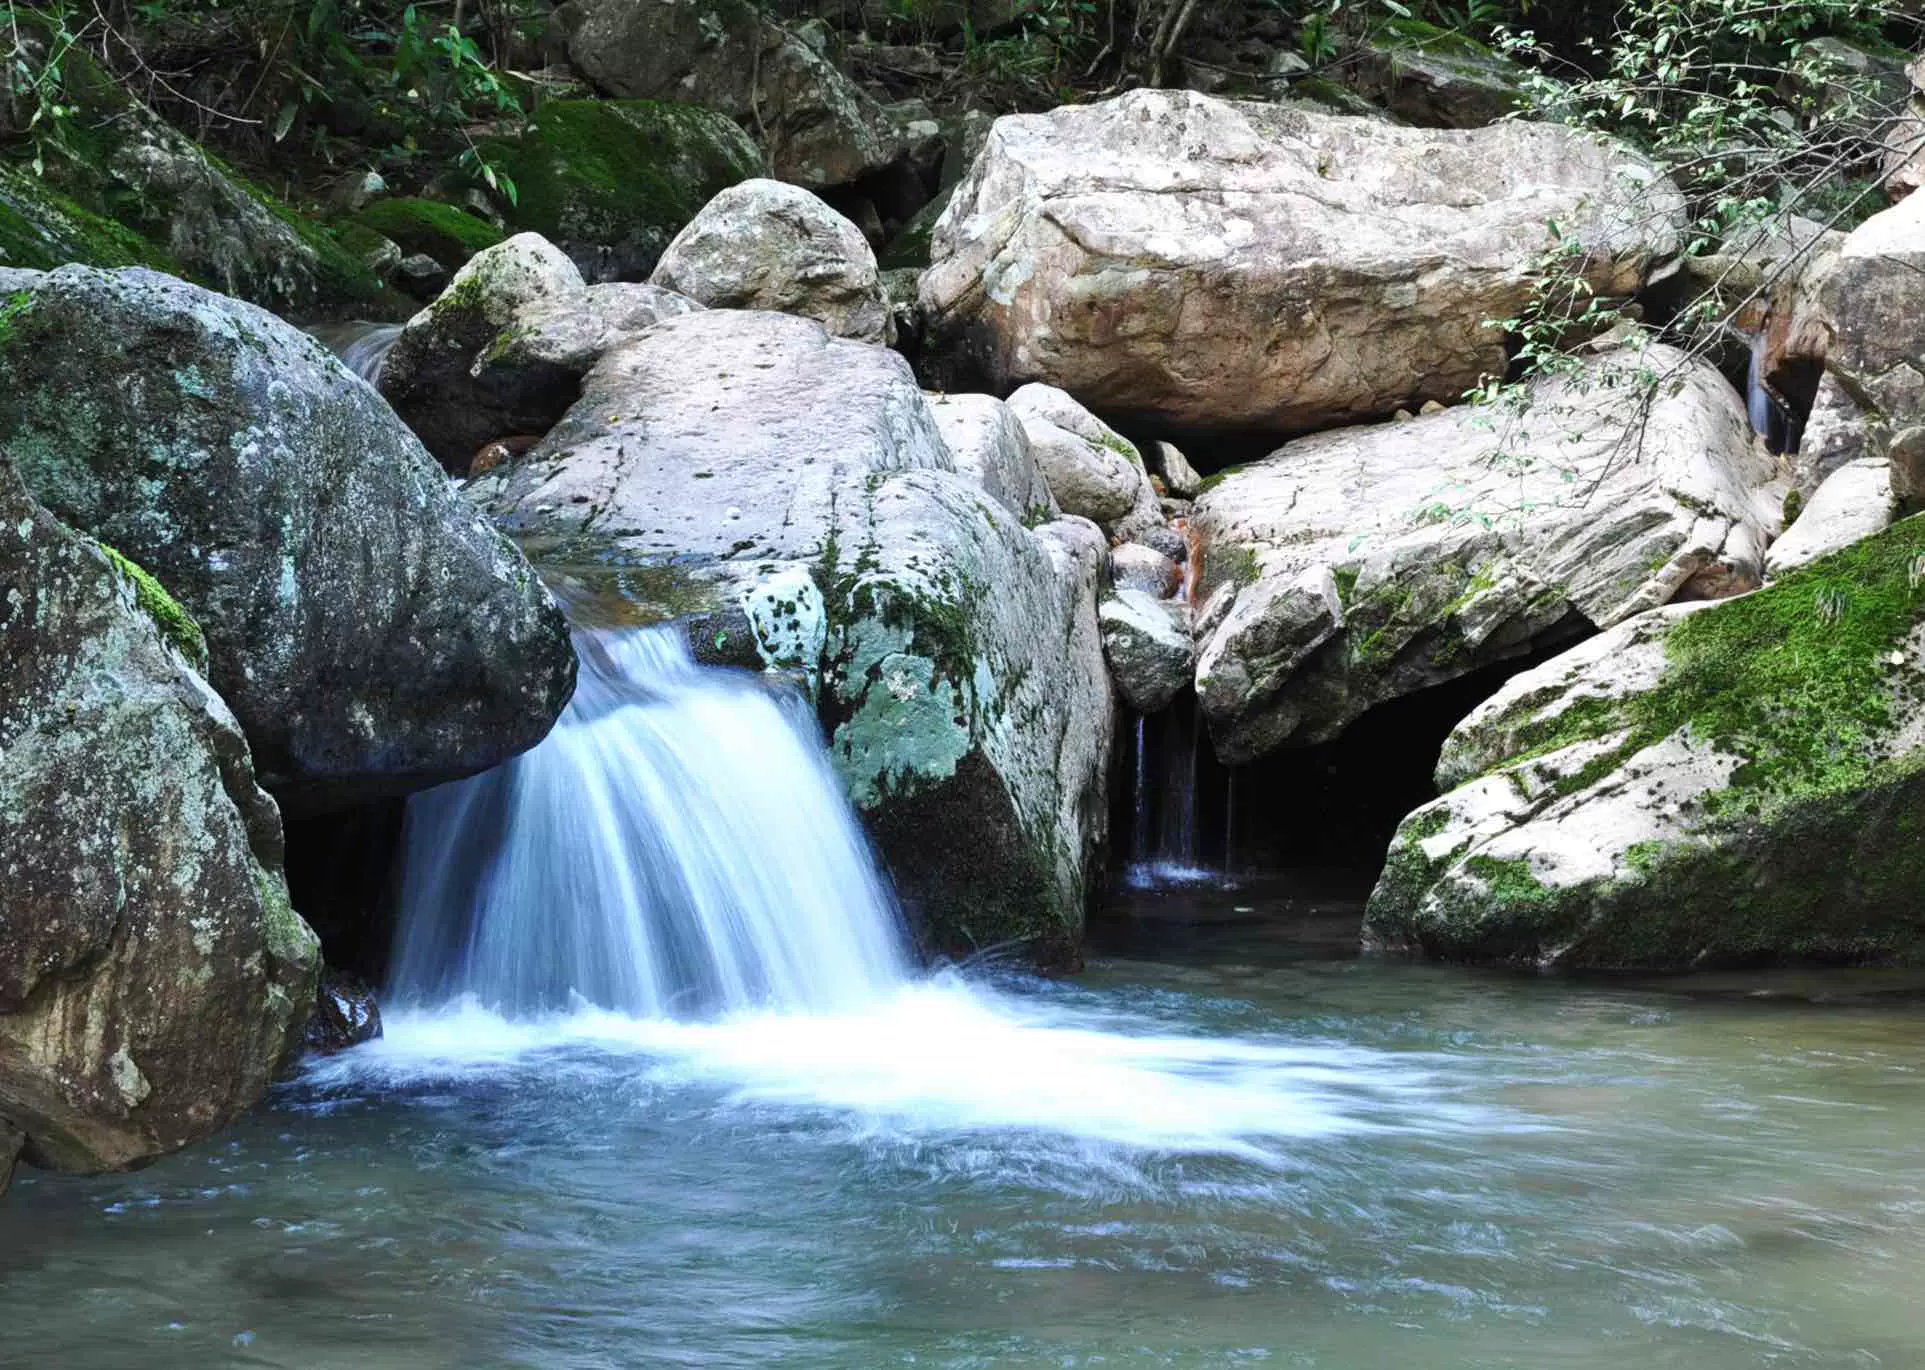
(1225, 1146)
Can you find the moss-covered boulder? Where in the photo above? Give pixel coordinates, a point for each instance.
(447, 233)
(127, 189)
(371, 632)
(957, 668)
(817, 127)
(1736, 783)
(431, 374)
(1436, 77)
(612, 181)
(152, 972)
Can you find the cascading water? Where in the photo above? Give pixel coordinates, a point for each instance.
(678, 847)
(1166, 845)
(362, 347)
(675, 874)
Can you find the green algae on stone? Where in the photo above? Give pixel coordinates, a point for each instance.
(176, 625)
(445, 232)
(1793, 835)
(620, 175)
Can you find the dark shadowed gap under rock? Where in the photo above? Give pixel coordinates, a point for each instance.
(339, 873)
(1323, 815)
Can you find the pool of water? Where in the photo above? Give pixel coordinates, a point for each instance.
(1228, 1143)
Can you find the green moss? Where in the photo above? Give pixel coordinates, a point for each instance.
(175, 623)
(12, 310)
(1509, 882)
(1794, 506)
(41, 228)
(445, 232)
(620, 173)
(1210, 482)
(1797, 679)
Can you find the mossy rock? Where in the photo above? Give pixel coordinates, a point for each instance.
(40, 228)
(445, 232)
(1739, 784)
(125, 189)
(612, 181)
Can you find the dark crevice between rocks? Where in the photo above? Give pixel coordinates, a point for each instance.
(1304, 830)
(342, 870)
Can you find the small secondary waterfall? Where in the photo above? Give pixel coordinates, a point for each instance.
(1165, 832)
(1758, 399)
(362, 347)
(677, 847)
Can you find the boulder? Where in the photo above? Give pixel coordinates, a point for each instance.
(1834, 436)
(1875, 297)
(610, 182)
(1854, 502)
(1216, 265)
(817, 127)
(1903, 169)
(1370, 563)
(766, 245)
(959, 673)
(1092, 470)
(371, 632)
(132, 191)
(345, 1014)
(445, 233)
(1729, 784)
(1435, 77)
(1166, 459)
(154, 974)
(562, 336)
(1146, 642)
(988, 444)
(429, 375)
(1134, 566)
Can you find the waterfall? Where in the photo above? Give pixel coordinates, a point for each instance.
(677, 847)
(1166, 845)
(1758, 399)
(362, 347)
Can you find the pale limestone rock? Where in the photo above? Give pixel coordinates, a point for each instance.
(766, 245)
(1375, 562)
(1222, 265)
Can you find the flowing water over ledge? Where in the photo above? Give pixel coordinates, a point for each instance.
(1230, 1143)
(1250, 1151)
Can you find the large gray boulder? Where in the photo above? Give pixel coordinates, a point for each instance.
(1733, 783)
(434, 374)
(1370, 563)
(748, 468)
(1874, 294)
(1219, 265)
(766, 245)
(990, 446)
(817, 127)
(371, 632)
(1093, 471)
(152, 971)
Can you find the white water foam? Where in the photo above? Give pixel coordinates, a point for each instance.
(673, 887)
